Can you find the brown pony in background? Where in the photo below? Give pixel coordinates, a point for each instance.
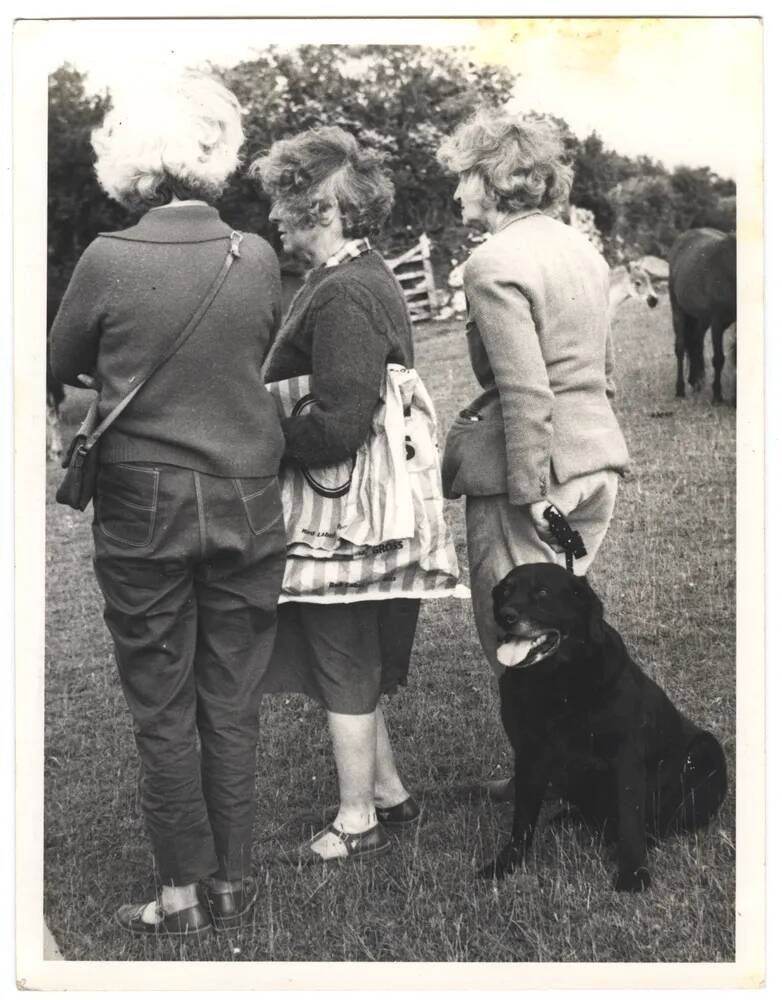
(702, 288)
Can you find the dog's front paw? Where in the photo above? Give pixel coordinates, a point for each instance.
(507, 860)
(633, 881)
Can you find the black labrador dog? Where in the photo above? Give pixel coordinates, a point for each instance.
(582, 716)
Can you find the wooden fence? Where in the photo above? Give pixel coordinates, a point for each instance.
(413, 270)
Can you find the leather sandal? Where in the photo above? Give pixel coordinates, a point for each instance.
(191, 922)
(359, 846)
(230, 908)
(403, 814)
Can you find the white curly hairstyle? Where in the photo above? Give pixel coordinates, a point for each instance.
(180, 139)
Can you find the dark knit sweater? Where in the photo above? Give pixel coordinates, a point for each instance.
(344, 326)
(132, 292)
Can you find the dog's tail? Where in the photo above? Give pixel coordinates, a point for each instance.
(690, 787)
(704, 781)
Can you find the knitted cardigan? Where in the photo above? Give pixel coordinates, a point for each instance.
(132, 292)
(344, 326)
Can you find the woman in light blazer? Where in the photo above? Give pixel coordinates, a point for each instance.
(542, 431)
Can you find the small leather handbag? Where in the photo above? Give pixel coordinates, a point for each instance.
(81, 459)
(81, 462)
(474, 458)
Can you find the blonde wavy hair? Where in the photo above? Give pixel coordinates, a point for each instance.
(326, 164)
(519, 161)
(177, 140)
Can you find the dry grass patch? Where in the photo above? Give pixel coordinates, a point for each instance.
(666, 574)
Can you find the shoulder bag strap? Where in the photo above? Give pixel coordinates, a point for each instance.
(170, 351)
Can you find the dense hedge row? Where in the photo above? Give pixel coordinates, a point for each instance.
(401, 100)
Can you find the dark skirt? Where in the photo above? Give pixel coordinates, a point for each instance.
(344, 656)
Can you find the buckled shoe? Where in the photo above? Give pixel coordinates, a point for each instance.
(358, 846)
(191, 922)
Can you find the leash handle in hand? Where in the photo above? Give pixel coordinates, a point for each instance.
(569, 539)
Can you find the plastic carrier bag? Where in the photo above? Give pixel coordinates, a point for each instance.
(374, 527)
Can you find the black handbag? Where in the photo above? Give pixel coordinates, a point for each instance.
(81, 459)
(81, 462)
(474, 462)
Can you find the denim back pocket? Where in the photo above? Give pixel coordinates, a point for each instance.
(261, 500)
(127, 498)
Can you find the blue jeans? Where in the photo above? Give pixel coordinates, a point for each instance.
(191, 567)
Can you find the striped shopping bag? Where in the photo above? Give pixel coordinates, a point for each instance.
(373, 527)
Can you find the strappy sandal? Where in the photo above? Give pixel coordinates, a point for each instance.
(358, 846)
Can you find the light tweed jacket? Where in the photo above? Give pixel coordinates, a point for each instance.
(538, 338)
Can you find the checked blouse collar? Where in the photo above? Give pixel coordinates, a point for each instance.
(349, 250)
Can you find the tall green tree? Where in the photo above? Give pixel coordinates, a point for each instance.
(77, 208)
(399, 100)
(695, 196)
(653, 207)
(645, 221)
(597, 170)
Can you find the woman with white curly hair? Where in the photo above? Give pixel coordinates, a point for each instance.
(542, 432)
(188, 532)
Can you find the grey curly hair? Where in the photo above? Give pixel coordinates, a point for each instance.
(324, 164)
(520, 161)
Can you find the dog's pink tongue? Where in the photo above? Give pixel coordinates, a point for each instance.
(513, 651)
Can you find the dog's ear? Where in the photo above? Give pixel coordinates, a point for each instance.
(594, 608)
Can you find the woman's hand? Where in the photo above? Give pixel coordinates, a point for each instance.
(541, 524)
(89, 382)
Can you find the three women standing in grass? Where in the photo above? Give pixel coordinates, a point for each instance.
(188, 529)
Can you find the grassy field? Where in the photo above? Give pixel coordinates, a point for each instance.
(666, 574)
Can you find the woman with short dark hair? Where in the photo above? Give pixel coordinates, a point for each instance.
(347, 323)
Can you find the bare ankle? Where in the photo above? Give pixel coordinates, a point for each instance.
(388, 796)
(355, 820)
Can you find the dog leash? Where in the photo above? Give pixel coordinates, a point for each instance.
(567, 537)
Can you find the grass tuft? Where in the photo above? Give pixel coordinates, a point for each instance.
(667, 576)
